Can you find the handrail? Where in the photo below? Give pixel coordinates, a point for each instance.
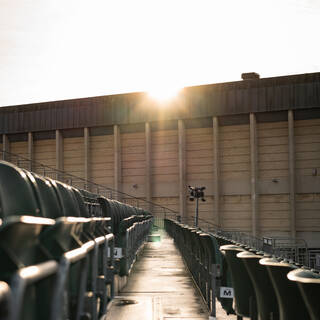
(294, 249)
(79, 182)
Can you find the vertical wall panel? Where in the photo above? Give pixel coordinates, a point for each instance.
(273, 152)
(102, 160)
(165, 167)
(73, 156)
(235, 206)
(235, 152)
(236, 212)
(182, 168)
(117, 161)
(307, 146)
(148, 176)
(20, 148)
(254, 175)
(199, 152)
(273, 164)
(274, 210)
(292, 174)
(308, 212)
(133, 163)
(216, 171)
(164, 157)
(45, 153)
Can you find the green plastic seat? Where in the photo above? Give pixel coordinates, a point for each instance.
(5, 301)
(265, 294)
(47, 198)
(19, 243)
(309, 285)
(287, 292)
(214, 256)
(26, 267)
(66, 198)
(16, 192)
(245, 300)
(79, 199)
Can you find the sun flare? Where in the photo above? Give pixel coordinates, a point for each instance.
(164, 93)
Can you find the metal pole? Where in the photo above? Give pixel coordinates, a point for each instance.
(197, 213)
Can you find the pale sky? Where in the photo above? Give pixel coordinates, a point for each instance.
(63, 49)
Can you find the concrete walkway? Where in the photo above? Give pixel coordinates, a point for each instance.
(160, 288)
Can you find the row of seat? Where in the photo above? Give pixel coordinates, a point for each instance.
(207, 265)
(130, 237)
(130, 226)
(56, 253)
(275, 287)
(268, 287)
(118, 211)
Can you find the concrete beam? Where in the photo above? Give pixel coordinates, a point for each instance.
(254, 175)
(30, 150)
(148, 184)
(59, 153)
(292, 178)
(182, 169)
(216, 171)
(117, 160)
(86, 141)
(5, 147)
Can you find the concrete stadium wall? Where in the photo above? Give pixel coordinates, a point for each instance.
(260, 177)
(101, 160)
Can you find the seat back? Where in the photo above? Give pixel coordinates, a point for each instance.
(67, 199)
(47, 197)
(16, 192)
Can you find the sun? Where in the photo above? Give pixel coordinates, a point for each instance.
(163, 93)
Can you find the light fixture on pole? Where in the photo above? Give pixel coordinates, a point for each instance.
(196, 193)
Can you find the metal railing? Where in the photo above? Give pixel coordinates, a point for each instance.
(160, 212)
(288, 248)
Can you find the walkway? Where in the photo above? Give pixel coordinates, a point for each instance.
(160, 288)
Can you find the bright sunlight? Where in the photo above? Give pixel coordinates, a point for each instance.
(164, 93)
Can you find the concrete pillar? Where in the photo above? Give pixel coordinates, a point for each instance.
(5, 147)
(292, 174)
(117, 160)
(216, 171)
(30, 150)
(86, 138)
(59, 153)
(254, 174)
(148, 184)
(182, 169)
